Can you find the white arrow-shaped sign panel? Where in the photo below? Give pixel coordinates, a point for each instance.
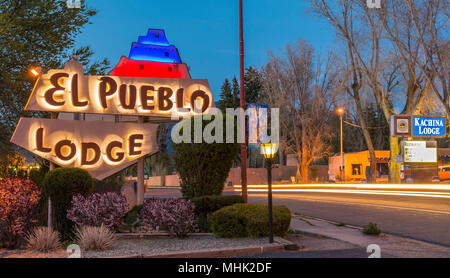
(102, 148)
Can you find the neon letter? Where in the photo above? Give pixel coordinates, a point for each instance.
(145, 97)
(48, 95)
(84, 150)
(103, 93)
(123, 96)
(164, 94)
(40, 141)
(75, 100)
(133, 144)
(61, 144)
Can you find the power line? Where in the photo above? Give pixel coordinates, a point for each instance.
(375, 127)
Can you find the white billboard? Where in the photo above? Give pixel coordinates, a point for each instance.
(420, 151)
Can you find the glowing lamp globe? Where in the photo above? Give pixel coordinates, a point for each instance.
(269, 150)
(35, 71)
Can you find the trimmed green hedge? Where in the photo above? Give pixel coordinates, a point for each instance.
(249, 220)
(61, 184)
(205, 205)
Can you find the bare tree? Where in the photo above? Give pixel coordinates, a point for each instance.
(346, 17)
(385, 49)
(302, 87)
(431, 24)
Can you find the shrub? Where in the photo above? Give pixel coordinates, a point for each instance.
(94, 238)
(173, 215)
(203, 167)
(242, 220)
(206, 205)
(18, 210)
(60, 185)
(371, 229)
(108, 209)
(131, 217)
(43, 239)
(38, 175)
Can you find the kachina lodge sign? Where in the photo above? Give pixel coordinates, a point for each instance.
(418, 126)
(142, 85)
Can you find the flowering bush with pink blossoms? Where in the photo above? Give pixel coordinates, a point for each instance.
(18, 209)
(173, 215)
(107, 208)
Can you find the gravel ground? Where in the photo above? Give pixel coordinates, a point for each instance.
(126, 247)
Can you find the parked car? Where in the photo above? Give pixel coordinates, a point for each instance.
(444, 172)
(435, 179)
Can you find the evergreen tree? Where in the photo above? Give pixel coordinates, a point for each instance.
(226, 96)
(236, 91)
(253, 85)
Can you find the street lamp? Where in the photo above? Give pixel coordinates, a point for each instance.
(35, 71)
(269, 150)
(340, 111)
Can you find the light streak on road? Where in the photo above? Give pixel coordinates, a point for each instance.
(363, 192)
(363, 189)
(354, 186)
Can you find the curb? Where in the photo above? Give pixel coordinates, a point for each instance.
(287, 245)
(154, 235)
(213, 253)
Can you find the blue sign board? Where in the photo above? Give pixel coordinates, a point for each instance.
(428, 126)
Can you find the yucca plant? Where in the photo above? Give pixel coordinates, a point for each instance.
(43, 239)
(94, 238)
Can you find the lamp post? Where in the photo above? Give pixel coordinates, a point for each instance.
(340, 111)
(269, 151)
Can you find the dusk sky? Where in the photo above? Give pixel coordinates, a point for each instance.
(205, 32)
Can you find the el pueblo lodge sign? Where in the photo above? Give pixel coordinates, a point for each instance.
(104, 148)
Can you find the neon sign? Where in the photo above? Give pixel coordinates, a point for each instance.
(93, 145)
(152, 56)
(154, 47)
(151, 82)
(71, 91)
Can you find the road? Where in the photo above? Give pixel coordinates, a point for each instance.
(422, 218)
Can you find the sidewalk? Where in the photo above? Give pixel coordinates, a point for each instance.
(390, 245)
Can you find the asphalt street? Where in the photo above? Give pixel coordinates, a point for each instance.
(422, 218)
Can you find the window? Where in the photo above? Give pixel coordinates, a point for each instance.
(356, 169)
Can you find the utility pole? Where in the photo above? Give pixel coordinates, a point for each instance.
(242, 102)
(341, 111)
